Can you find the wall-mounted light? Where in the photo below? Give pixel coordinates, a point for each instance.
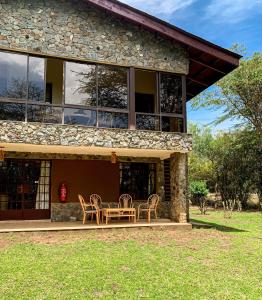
(2, 154)
(113, 158)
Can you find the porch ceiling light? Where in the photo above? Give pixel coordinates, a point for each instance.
(113, 158)
(2, 154)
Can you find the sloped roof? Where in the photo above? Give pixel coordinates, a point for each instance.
(208, 62)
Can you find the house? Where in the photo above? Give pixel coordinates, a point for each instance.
(93, 95)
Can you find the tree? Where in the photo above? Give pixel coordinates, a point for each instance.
(200, 164)
(239, 94)
(199, 191)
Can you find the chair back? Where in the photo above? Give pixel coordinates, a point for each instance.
(82, 202)
(96, 200)
(125, 201)
(153, 201)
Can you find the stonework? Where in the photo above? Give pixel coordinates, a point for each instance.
(63, 212)
(77, 30)
(179, 209)
(65, 135)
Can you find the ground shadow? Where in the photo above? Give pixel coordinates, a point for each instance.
(208, 225)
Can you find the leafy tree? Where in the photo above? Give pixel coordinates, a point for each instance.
(239, 94)
(200, 164)
(199, 191)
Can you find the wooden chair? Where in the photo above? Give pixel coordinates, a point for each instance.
(148, 207)
(97, 200)
(91, 209)
(125, 201)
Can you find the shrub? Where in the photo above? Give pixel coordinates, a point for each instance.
(199, 191)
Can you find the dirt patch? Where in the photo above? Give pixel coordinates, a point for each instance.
(189, 239)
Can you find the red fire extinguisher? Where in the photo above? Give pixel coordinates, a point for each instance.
(63, 192)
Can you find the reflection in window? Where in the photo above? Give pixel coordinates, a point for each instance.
(12, 111)
(80, 84)
(172, 124)
(138, 179)
(112, 120)
(80, 116)
(147, 122)
(13, 75)
(36, 79)
(44, 114)
(112, 87)
(171, 94)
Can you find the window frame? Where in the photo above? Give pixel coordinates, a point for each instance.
(130, 110)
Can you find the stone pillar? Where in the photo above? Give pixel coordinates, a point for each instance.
(179, 209)
(160, 179)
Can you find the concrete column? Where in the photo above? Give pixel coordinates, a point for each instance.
(179, 209)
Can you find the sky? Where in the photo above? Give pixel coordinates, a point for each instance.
(223, 22)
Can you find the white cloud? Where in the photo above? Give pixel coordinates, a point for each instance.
(232, 11)
(159, 7)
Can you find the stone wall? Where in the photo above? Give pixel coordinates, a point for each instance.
(63, 212)
(66, 135)
(77, 30)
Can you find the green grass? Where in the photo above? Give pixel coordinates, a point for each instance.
(224, 262)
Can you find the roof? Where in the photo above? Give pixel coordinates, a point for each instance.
(208, 62)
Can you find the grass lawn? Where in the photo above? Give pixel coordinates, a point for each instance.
(224, 262)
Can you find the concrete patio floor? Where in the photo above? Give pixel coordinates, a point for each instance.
(47, 225)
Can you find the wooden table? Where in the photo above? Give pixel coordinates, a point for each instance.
(118, 213)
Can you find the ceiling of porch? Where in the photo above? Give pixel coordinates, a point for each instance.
(81, 150)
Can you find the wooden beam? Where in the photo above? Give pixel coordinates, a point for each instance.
(207, 66)
(132, 99)
(168, 30)
(198, 82)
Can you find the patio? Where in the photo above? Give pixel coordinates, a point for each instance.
(47, 225)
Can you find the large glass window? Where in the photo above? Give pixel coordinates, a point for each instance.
(12, 111)
(80, 116)
(138, 179)
(80, 84)
(44, 114)
(147, 122)
(36, 79)
(112, 87)
(171, 124)
(13, 75)
(112, 119)
(171, 93)
(25, 185)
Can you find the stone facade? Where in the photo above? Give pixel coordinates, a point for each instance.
(63, 212)
(77, 30)
(65, 135)
(179, 210)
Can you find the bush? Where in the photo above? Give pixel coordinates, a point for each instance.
(199, 191)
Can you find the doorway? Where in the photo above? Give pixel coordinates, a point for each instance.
(24, 189)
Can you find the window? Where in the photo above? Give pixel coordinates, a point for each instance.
(54, 81)
(158, 101)
(112, 87)
(36, 79)
(80, 116)
(138, 179)
(13, 75)
(25, 183)
(171, 93)
(12, 111)
(80, 84)
(50, 90)
(112, 119)
(170, 124)
(101, 88)
(44, 114)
